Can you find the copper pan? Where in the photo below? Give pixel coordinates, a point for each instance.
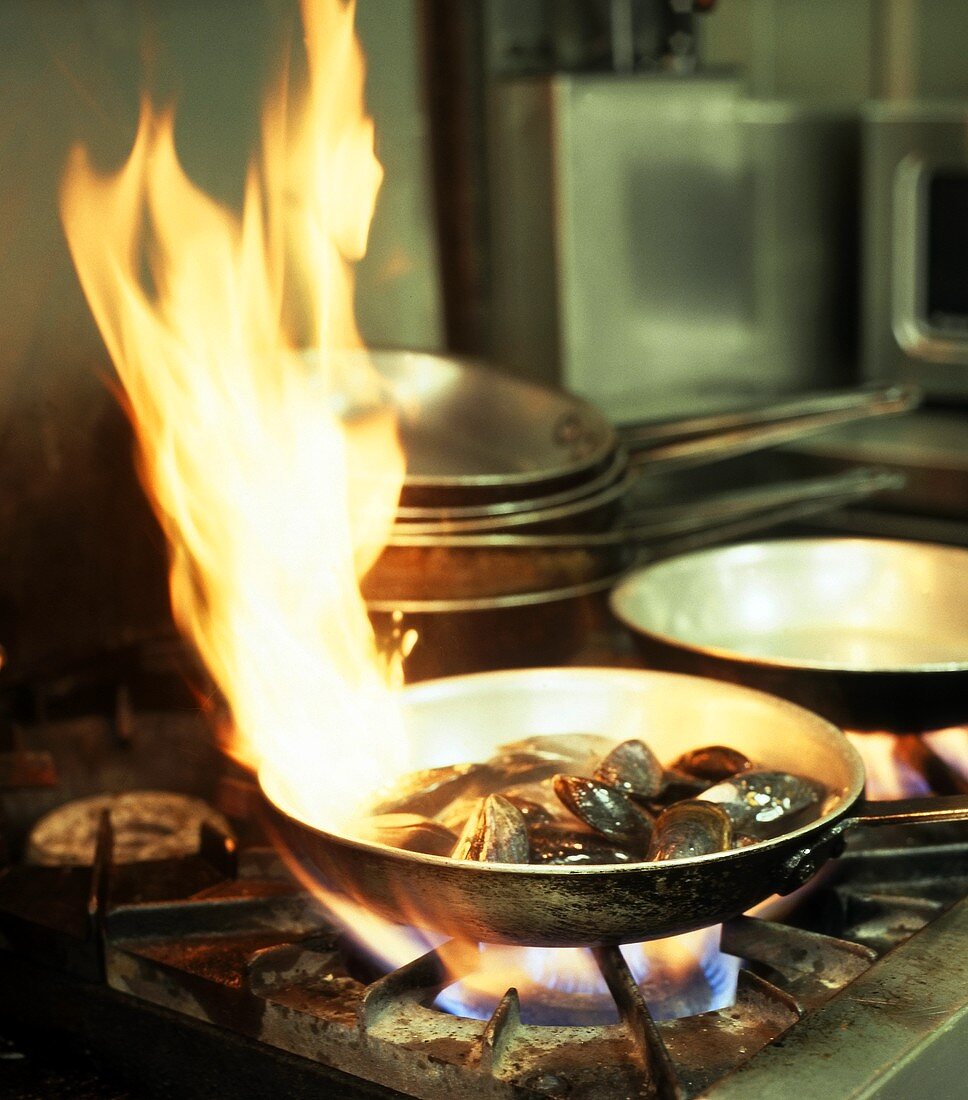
(466, 718)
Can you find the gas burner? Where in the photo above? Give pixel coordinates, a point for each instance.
(147, 825)
(242, 955)
(138, 932)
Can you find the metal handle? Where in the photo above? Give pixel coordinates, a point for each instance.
(700, 523)
(910, 811)
(857, 484)
(744, 525)
(697, 440)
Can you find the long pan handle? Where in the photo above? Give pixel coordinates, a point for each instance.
(910, 811)
(754, 523)
(688, 527)
(704, 439)
(834, 491)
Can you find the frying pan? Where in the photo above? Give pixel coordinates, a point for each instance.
(466, 718)
(475, 437)
(870, 633)
(446, 566)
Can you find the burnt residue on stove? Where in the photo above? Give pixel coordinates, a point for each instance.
(252, 956)
(213, 970)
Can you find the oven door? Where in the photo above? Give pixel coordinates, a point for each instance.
(916, 255)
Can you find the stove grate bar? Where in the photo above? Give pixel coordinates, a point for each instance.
(810, 967)
(634, 1013)
(499, 1032)
(426, 974)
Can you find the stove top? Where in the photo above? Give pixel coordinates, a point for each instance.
(206, 969)
(192, 975)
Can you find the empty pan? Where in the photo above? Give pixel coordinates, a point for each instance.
(466, 718)
(474, 436)
(872, 634)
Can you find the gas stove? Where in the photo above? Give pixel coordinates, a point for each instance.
(175, 953)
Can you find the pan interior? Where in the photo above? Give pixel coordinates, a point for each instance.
(464, 424)
(861, 605)
(466, 718)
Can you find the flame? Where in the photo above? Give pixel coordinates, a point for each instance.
(887, 774)
(894, 771)
(680, 976)
(275, 476)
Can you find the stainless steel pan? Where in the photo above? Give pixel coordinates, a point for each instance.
(447, 566)
(475, 437)
(467, 717)
(871, 633)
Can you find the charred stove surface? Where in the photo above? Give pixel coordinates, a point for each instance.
(251, 956)
(214, 971)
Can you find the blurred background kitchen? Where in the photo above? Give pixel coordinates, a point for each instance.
(662, 205)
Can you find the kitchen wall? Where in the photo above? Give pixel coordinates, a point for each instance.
(81, 560)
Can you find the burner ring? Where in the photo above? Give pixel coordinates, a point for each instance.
(147, 825)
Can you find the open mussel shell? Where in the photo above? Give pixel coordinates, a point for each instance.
(495, 833)
(765, 803)
(690, 828)
(632, 768)
(605, 810)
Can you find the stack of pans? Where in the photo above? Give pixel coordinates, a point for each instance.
(515, 504)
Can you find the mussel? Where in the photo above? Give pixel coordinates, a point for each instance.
(534, 813)
(690, 828)
(605, 810)
(632, 768)
(764, 803)
(495, 833)
(575, 846)
(712, 763)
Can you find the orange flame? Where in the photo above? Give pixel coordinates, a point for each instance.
(275, 476)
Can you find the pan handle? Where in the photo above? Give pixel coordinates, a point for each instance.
(705, 439)
(807, 861)
(909, 811)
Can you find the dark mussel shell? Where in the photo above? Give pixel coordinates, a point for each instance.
(533, 812)
(675, 787)
(764, 803)
(712, 763)
(411, 833)
(691, 828)
(495, 833)
(632, 768)
(575, 846)
(605, 810)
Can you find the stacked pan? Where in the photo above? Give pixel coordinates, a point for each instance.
(516, 504)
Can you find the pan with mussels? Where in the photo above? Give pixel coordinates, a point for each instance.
(566, 807)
